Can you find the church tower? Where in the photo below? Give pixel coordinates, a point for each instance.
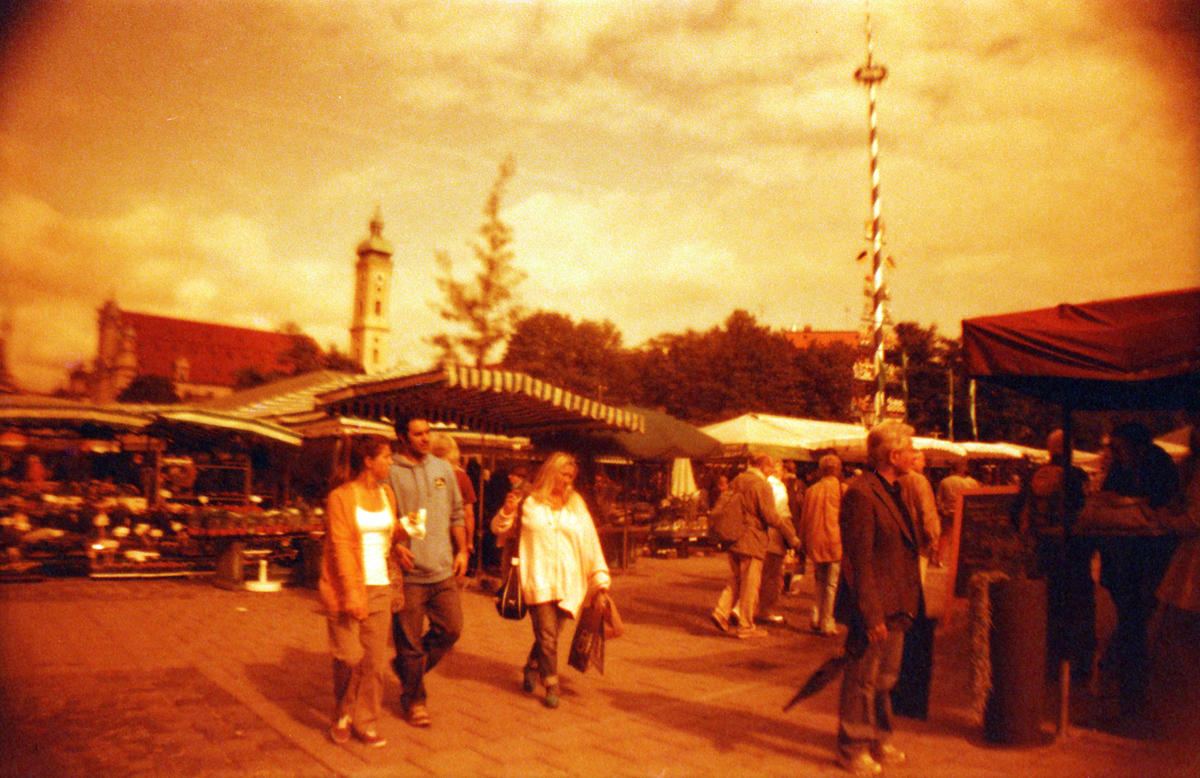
(369, 329)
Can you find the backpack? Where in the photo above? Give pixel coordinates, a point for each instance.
(727, 518)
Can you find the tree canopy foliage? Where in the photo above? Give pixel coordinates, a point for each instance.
(731, 369)
(586, 357)
(485, 305)
(149, 389)
(303, 356)
(742, 366)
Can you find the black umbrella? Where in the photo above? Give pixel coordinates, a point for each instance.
(819, 679)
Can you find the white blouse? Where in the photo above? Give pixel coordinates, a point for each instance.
(560, 554)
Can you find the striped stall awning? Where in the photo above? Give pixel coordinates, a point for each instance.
(26, 411)
(193, 420)
(486, 400)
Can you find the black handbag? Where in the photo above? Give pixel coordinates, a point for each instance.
(510, 601)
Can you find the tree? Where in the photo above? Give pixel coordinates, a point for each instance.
(741, 367)
(303, 356)
(149, 389)
(485, 305)
(336, 360)
(585, 357)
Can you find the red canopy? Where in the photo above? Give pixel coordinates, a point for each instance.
(1131, 352)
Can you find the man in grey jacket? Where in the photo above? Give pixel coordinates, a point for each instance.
(439, 558)
(746, 554)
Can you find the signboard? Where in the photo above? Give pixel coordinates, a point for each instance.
(983, 537)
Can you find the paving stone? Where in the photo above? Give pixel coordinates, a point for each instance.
(175, 677)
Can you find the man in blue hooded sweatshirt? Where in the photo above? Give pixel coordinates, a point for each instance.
(423, 482)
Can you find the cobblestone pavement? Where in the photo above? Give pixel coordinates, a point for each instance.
(175, 677)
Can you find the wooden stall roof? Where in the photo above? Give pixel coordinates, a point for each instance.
(481, 399)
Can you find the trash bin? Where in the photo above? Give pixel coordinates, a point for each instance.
(307, 570)
(1013, 712)
(230, 570)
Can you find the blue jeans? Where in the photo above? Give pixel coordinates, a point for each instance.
(547, 619)
(865, 706)
(416, 652)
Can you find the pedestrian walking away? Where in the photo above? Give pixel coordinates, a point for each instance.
(757, 501)
(823, 539)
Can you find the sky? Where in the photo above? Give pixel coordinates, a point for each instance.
(674, 161)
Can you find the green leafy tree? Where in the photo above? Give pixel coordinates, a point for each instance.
(336, 360)
(251, 376)
(586, 357)
(304, 355)
(485, 305)
(149, 389)
(743, 366)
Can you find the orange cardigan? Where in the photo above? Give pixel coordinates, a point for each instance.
(343, 586)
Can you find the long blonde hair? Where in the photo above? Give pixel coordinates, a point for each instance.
(543, 482)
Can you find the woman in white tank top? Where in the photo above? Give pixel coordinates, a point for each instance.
(360, 535)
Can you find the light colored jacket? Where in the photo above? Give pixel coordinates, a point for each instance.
(819, 520)
(343, 586)
(758, 504)
(922, 507)
(559, 551)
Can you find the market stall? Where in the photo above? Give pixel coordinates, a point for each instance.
(136, 490)
(1132, 353)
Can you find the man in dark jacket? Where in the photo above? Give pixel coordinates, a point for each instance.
(746, 554)
(879, 597)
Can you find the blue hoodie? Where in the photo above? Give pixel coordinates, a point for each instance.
(429, 484)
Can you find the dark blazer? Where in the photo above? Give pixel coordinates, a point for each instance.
(881, 576)
(758, 504)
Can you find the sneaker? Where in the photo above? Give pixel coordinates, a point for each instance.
(862, 764)
(340, 731)
(529, 682)
(418, 716)
(721, 621)
(551, 699)
(888, 754)
(370, 739)
(746, 633)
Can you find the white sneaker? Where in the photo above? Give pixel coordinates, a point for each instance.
(889, 755)
(863, 765)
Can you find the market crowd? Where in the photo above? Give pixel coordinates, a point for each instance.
(401, 537)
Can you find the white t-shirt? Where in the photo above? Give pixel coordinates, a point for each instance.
(376, 529)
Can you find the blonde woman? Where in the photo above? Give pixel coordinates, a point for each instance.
(355, 587)
(561, 562)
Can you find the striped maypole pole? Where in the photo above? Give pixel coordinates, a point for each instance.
(871, 74)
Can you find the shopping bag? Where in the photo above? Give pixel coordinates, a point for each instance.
(587, 646)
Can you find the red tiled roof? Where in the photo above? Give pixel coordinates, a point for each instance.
(215, 352)
(806, 338)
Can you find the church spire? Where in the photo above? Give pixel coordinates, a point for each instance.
(370, 325)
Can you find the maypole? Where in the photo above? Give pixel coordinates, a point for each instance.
(871, 75)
